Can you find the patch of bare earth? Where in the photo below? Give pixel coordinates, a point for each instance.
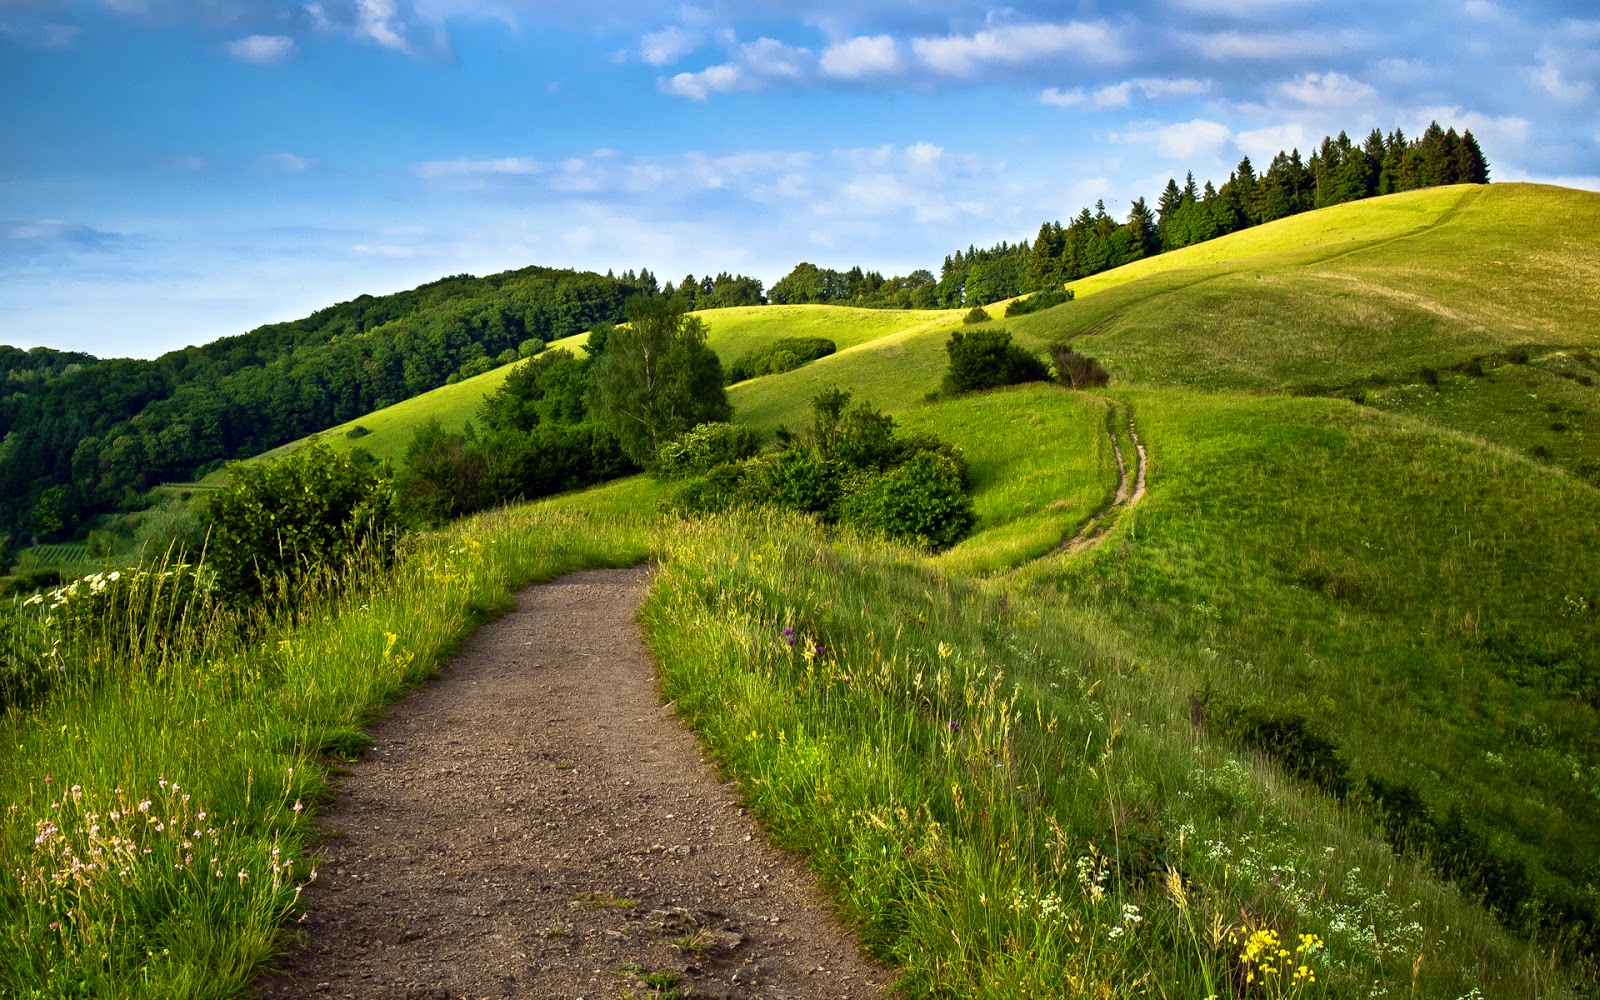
(535, 823)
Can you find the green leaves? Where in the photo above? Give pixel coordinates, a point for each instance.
(312, 511)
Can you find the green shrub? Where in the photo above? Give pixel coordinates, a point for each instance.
(443, 476)
(1078, 371)
(779, 356)
(987, 359)
(977, 314)
(922, 500)
(721, 488)
(310, 512)
(528, 348)
(802, 479)
(1046, 299)
(697, 451)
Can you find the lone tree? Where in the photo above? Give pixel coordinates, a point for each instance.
(655, 378)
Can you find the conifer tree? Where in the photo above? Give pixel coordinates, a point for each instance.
(1471, 167)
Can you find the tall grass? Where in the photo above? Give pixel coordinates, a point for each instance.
(156, 834)
(1009, 796)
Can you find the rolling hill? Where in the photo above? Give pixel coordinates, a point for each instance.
(1336, 673)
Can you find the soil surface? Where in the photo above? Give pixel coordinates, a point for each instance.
(1130, 490)
(535, 823)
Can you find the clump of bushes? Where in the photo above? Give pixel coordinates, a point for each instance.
(703, 448)
(1078, 371)
(311, 512)
(849, 467)
(1047, 299)
(778, 357)
(987, 359)
(977, 314)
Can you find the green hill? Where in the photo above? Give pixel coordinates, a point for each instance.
(1337, 673)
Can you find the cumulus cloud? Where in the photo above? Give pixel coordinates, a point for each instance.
(754, 66)
(1191, 139)
(667, 46)
(1262, 144)
(1120, 95)
(1018, 44)
(1327, 90)
(262, 50)
(861, 57)
(720, 79)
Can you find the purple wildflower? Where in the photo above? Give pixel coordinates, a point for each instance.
(955, 727)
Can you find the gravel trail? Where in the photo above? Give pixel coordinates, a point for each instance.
(535, 823)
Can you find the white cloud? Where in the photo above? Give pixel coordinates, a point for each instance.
(1262, 144)
(861, 57)
(262, 50)
(378, 20)
(1327, 90)
(924, 154)
(720, 79)
(476, 168)
(291, 163)
(188, 163)
(1231, 45)
(754, 66)
(1119, 95)
(1483, 10)
(659, 48)
(1018, 44)
(1191, 139)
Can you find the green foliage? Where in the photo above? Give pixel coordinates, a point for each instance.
(699, 450)
(1049, 298)
(310, 513)
(987, 359)
(923, 500)
(1078, 371)
(977, 314)
(808, 283)
(443, 475)
(549, 388)
(108, 429)
(779, 356)
(654, 379)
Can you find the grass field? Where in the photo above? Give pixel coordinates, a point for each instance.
(1430, 279)
(1005, 761)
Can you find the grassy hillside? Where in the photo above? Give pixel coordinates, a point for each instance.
(1336, 675)
(1425, 279)
(732, 332)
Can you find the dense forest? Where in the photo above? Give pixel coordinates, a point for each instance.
(1338, 171)
(82, 436)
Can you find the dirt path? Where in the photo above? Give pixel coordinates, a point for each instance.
(536, 824)
(1130, 490)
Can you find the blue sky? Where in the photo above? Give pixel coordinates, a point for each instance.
(173, 171)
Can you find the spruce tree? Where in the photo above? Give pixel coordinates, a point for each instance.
(1471, 167)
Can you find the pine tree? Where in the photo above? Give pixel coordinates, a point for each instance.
(1471, 167)
(1142, 238)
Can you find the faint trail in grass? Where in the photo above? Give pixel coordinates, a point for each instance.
(1130, 490)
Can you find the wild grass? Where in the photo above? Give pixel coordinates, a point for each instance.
(1006, 792)
(157, 832)
(1041, 464)
(1427, 601)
